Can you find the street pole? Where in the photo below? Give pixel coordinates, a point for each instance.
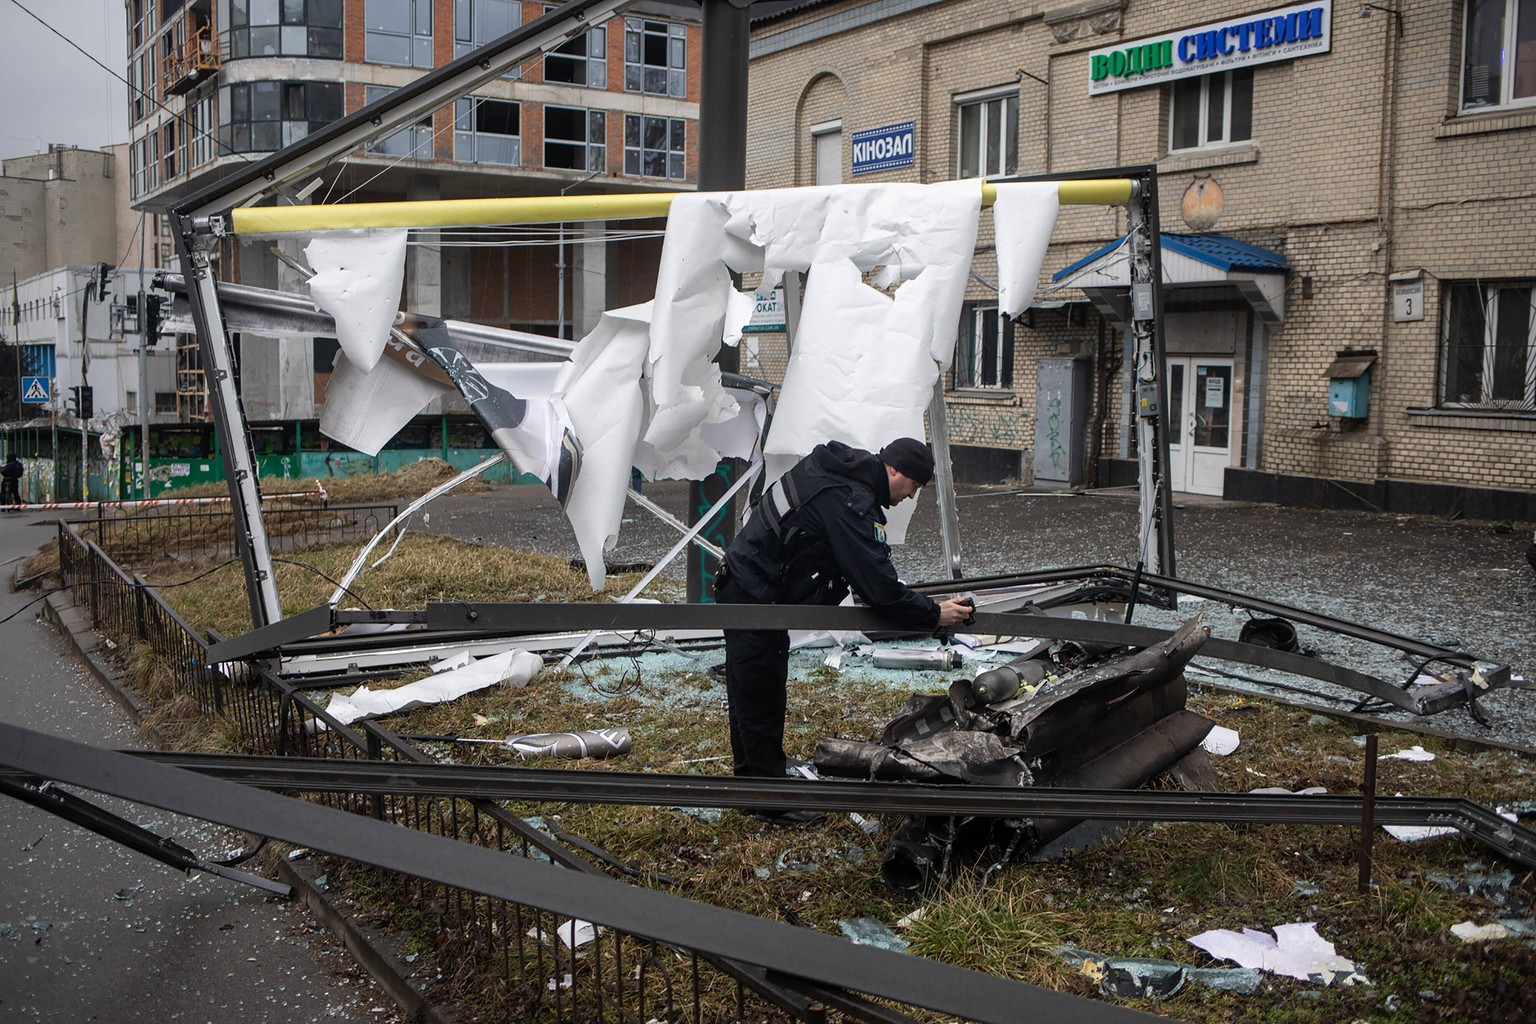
(143, 374)
(722, 168)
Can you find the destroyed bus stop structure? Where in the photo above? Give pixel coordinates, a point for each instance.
(1013, 607)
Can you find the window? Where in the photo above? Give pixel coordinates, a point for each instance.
(1211, 110)
(575, 139)
(165, 403)
(413, 140)
(168, 149)
(486, 132)
(989, 134)
(579, 61)
(477, 22)
(654, 146)
(984, 353)
(1498, 66)
(398, 32)
(827, 143)
(259, 117)
(285, 28)
(655, 57)
(201, 126)
(1490, 345)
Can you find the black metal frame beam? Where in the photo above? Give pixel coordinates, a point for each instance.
(796, 953)
(323, 775)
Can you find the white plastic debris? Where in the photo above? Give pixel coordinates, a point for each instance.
(1466, 931)
(1295, 951)
(510, 668)
(357, 280)
(1220, 741)
(1413, 753)
(1417, 833)
(572, 933)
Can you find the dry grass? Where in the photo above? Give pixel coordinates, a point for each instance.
(1141, 894)
(408, 482)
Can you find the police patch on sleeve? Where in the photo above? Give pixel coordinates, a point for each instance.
(880, 532)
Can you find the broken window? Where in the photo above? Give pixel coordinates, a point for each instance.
(575, 139)
(579, 61)
(655, 57)
(984, 352)
(1489, 345)
(654, 146)
(487, 131)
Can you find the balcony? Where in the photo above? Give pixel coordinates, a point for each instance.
(197, 59)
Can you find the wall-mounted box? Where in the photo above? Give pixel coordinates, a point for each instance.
(1349, 385)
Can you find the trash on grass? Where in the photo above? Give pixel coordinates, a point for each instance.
(610, 742)
(1220, 741)
(572, 933)
(510, 668)
(1147, 978)
(1466, 931)
(868, 931)
(1295, 950)
(1413, 753)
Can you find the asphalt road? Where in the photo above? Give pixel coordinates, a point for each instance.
(90, 931)
(1461, 584)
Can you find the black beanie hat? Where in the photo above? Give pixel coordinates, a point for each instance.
(909, 457)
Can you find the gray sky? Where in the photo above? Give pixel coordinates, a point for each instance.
(49, 91)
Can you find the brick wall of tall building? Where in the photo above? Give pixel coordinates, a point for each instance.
(1360, 166)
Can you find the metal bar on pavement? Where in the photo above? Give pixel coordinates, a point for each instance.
(794, 952)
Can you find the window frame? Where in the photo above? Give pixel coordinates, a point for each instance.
(675, 71)
(1508, 43)
(306, 35)
(245, 95)
(470, 137)
(589, 145)
(593, 58)
(419, 41)
(674, 158)
(1008, 149)
(420, 138)
(971, 372)
(1487, 372)
(1232, 82)
(469, 31)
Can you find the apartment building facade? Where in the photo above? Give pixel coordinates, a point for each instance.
(214, 83)
(1345, 194)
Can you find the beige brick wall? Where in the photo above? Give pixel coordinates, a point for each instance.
(1360, 166)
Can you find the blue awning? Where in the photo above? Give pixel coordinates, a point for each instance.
(1220, 251)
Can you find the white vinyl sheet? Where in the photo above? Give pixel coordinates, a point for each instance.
(357, 281)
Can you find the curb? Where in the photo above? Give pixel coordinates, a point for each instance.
(369, 947)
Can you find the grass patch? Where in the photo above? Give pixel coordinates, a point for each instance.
(1143, 893)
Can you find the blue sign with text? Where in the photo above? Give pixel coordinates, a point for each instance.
(884, 149)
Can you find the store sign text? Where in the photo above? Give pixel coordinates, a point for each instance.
(1282, 34)
(884, 149)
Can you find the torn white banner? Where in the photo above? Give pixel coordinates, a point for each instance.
(1295, 950)
(357, 281)
(511, 668)
(1023, 217)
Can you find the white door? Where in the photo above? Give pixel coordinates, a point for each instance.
(1199, 423)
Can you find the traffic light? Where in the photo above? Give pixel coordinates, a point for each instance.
(151, 319)
(85, 401)
(103, 278)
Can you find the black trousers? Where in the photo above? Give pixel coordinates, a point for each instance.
(756, 668)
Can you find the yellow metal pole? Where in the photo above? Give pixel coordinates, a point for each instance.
(268, 220)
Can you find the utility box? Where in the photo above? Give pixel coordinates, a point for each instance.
(1349, 385)
(1061, 420)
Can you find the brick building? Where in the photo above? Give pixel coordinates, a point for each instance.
(612, 110)
(1346, 193)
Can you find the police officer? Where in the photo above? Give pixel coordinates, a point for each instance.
(816, 533)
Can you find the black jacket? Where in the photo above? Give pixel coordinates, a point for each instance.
(834, 540)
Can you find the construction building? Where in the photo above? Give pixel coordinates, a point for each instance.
(217, 83)
(1346, 194)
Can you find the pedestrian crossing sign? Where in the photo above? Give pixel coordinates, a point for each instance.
(35, 390)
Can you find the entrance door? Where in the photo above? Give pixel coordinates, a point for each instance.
(1199, 423)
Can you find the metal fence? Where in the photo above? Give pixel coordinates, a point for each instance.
(511, 954)
(135, 536)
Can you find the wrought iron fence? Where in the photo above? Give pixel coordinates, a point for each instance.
(135, 536)
(533, 972)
